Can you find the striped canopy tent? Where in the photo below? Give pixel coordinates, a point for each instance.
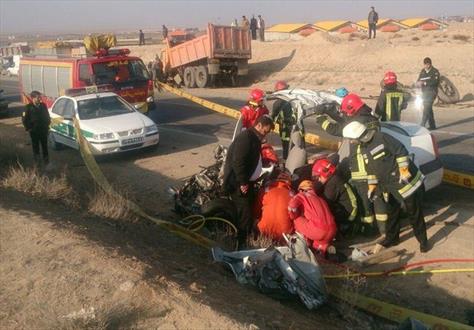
(384, 25)
(288, 28)
(334, 26)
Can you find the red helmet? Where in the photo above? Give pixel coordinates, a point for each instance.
(323, 168)
(280, 85)
(257, 95)
(351, 104)
(390, 78)
(268, 154)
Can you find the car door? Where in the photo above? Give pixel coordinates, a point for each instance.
(62, 126)
(69, 113)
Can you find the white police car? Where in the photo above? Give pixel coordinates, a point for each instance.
(107, 121)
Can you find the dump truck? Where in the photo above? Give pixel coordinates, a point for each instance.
(222, 52)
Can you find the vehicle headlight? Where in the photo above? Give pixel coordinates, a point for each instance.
(151, 128)
(103, 136)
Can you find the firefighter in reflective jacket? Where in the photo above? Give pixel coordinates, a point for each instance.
(390, 169)
(338, 194)
(354, 109)
(254, 108)
(283, 115)
(392, 100)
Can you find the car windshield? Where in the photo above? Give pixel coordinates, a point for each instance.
(102, 107)
(120, 71)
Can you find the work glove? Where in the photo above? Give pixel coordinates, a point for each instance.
(371, 192)
(405, 175)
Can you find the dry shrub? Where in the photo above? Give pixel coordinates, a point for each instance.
(114, 206)
(10, 155)
(461, 37)
(31, 182)
(415, 39)
(118, 316)
(261, 241)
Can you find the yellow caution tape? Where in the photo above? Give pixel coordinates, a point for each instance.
(403, 272)
(396, 313)
(459, 179)
(382, 309)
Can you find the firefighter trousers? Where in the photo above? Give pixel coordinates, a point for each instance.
(413, 208)
(371, 210)
(320, 236)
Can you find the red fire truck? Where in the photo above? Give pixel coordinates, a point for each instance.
(52, 75)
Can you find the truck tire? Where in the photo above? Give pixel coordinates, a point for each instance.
(447, 92)
(189, 77)
(202, 76)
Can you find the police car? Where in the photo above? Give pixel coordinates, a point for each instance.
(108, 122)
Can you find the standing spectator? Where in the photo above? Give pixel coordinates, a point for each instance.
(241, 171)
(253, 27)
(164, 31)
(245, 22)
(428, 80)
(372, 20)
(234, 23)
(36, 121)
(141, 38)
(261, 28)
(157, 69)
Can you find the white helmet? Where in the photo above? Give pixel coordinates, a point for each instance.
(354, 130)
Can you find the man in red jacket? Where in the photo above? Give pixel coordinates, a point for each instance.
(312, 218)
(254, 109)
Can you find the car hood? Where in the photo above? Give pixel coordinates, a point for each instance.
(116, 123)
(411, 129)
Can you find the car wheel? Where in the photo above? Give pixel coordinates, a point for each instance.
(53, 144)
(447, 92)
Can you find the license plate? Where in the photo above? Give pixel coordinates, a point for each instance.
(132, 140)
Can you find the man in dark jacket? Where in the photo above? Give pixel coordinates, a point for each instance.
(141, 38)
(372, 20)
(390, 169)
(392, 99)
(241, 170)
(253, 27)
(428, 80)
(36, 121)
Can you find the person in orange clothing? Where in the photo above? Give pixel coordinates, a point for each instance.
(312, 218)
(275, 220)
(254, 109)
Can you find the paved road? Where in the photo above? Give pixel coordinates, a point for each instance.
(455, 133)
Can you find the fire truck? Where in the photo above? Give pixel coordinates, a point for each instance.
(53, 74)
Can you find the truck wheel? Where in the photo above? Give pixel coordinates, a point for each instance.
(202, 77)
(188, 77)
(447, 92)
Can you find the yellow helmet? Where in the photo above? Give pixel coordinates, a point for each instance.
(305, 185)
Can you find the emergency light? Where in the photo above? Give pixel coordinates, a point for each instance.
(89, 90)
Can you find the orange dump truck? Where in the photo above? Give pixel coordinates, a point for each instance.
(223, 52)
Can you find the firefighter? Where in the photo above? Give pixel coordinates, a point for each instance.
(392, 100)
(313, 218)
(36, 121)
(354, 109)
(428, 80)
(390, 169)
(254, 109)
(273, 205)
(282, 114)
(336, 191)
(242, 167)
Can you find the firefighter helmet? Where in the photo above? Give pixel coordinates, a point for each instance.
(305, 185)
(354, 130)
(323, 168)
(351, 104)
(341, 92)
(390, 78)
(281, 85)
(256, 95)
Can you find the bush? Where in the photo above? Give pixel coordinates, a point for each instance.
(415, 39)
(31, 182)
(10, 155)
(461, 37)
(114, 206)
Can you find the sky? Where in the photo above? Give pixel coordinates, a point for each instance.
(66, 16)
